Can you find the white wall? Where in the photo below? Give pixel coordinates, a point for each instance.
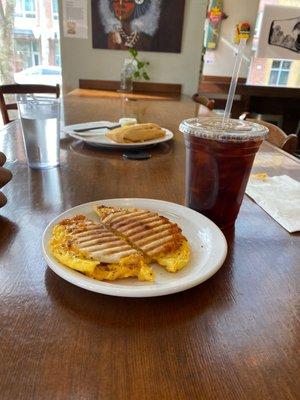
(80, 60)
(223, 58)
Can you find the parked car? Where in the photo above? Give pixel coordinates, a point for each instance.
(39, 74)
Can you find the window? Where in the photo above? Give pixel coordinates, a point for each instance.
(22, 52)
(36, 42)
(19, 8)
(279, 73)
(27, 53)
(56, 53)
(54, 9)
(35, 52)
(29, 5)
(25, 9)
(265, 71)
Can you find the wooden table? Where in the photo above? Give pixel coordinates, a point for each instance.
(235, 336)
(116, 94)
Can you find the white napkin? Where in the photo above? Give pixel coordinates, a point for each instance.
(279, 196)
(95, 132)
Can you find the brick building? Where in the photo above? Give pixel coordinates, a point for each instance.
(36, 33)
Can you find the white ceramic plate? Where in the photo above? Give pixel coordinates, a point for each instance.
(208, 251)
(100, 140)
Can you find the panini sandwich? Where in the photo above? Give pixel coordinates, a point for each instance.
(136, 133)
(155, 236)
(90, 248)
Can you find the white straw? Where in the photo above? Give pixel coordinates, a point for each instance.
(234, 79)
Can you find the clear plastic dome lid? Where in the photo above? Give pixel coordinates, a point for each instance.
(232, 130)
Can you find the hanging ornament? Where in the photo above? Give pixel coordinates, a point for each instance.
(242, 31)
(215, 16)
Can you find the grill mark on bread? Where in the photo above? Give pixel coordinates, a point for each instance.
(121, 216)
(157, 250)
(80, 233)
(86, 235)
(143, 241)
(96, 241)
(106, 249)
(100, 243)
(112, 258)
(131, 220)
(141, 227)
(143, 224)
(144, 230)
(159, 228)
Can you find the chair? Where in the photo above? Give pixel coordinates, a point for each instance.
(275, 119)
(276, 136)
(22, 89)
(210, 104)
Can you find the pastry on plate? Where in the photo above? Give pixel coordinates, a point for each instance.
(136, 133)
(155, 236)
(90, 248)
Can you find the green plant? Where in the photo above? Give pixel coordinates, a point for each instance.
(140, 71)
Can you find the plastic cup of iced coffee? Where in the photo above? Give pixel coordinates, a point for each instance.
(219, 158)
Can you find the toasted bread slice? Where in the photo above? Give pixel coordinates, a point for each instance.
(136, 133)
(90, 248)
(158, 238)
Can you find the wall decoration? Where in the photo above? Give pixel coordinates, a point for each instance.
(279, 36)
(215, 16)
(242, 31)
(75, 19)
(148, 25)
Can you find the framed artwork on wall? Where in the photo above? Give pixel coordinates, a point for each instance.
(279, 35)
(147, 25)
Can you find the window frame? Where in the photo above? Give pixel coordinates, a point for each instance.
(35, 53)
(26, 14)
(57, 54)
(279, 71)
(26, 48)
(55, 15)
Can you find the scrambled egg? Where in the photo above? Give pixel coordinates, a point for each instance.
(176, 260)
(64, 250)
(127, 267)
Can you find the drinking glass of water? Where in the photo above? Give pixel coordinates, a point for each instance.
(40, 125)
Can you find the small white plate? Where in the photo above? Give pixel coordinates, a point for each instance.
(208, 251)
(100, 140)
